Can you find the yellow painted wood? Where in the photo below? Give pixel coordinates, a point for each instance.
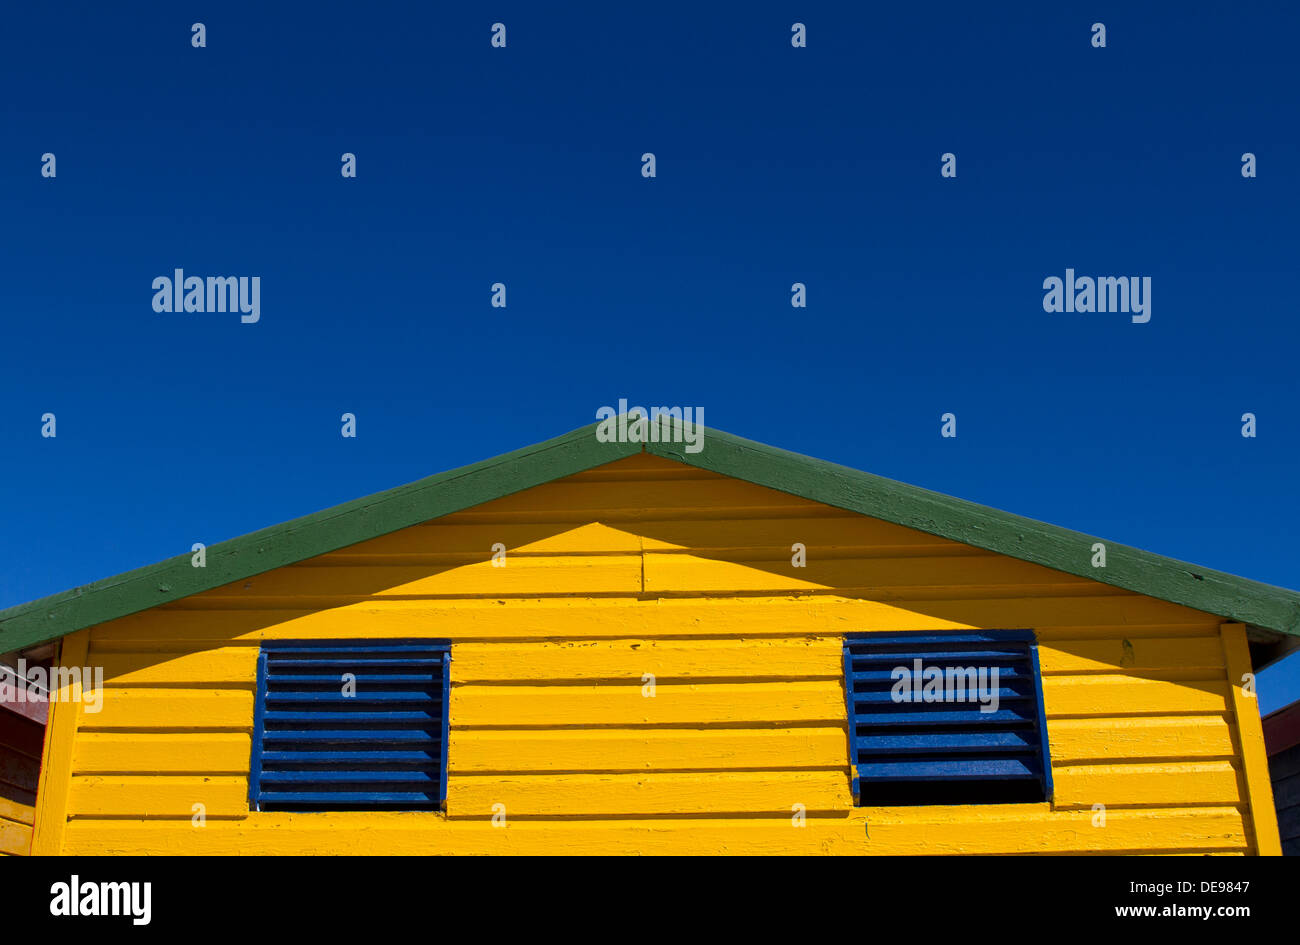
(221, 666)
(521, 576)
(467, 541)
(158, 796)
(601, 795)
(56, 765)
(1188, 737)
(172, 709)
(1250, 731)
(846, 536)
(1117, 694)
(1201, 783)
(624, 704)
(1110, 617)
(1190, 655)
(548, 714)
(687, 573)
(521, 751)
(992, 829)
(788, 658)
(162, 753)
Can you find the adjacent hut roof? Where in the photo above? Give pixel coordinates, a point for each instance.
(1272, 614)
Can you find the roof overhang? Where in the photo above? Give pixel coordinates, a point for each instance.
(1271, 614)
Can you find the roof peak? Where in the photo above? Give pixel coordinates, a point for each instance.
(1233, 598)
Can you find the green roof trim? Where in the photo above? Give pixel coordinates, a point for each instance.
(1225, 595)
(301, 538)
(1238, 599)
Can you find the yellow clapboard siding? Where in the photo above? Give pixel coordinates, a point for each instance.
(1125, 616)
(593, 750)
(15, 838)
(571, 574)
(679, 572)
(543, 795)
(162, 753)
(1112, 695)
(819, 535)
(155, 796)
(171, 709)
(222, 666)
(748, 707)
(797, 658)
(624, 704)
(1196, 654)
(989, 829)
(1093, 739)
(600, 795)
(1200, 783)
(437, 539)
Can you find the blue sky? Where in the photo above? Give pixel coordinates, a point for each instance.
(522, 165)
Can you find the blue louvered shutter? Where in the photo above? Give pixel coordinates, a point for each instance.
(946, 752)
(383, 748)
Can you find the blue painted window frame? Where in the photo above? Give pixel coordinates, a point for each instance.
(374, 645)
(960, 638)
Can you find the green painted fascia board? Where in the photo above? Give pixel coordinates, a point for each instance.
(1224, 595)
(329, 530)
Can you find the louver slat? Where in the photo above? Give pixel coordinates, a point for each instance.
(939, 736)
(350, 727)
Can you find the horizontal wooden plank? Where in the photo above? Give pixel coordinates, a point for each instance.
(171, 709)
(597, 795)
(520, 576)
(599, 750)
(1200, 783)
(1121, 654)
(156, 796)
(163, 753)
(219, 666)
(821, 536)
(791, 658)
(1120, 739)
(439, 540)
(690, 573)
(562, 619)
(600, 795)
(990, 829)
(624, 704)
(1114, 695)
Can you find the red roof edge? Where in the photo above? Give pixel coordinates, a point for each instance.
(1282, 729)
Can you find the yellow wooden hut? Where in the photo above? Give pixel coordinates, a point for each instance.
(595, 647)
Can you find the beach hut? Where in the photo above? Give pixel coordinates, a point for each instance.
(23, 710)
(1282, 740)
(651, 644)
